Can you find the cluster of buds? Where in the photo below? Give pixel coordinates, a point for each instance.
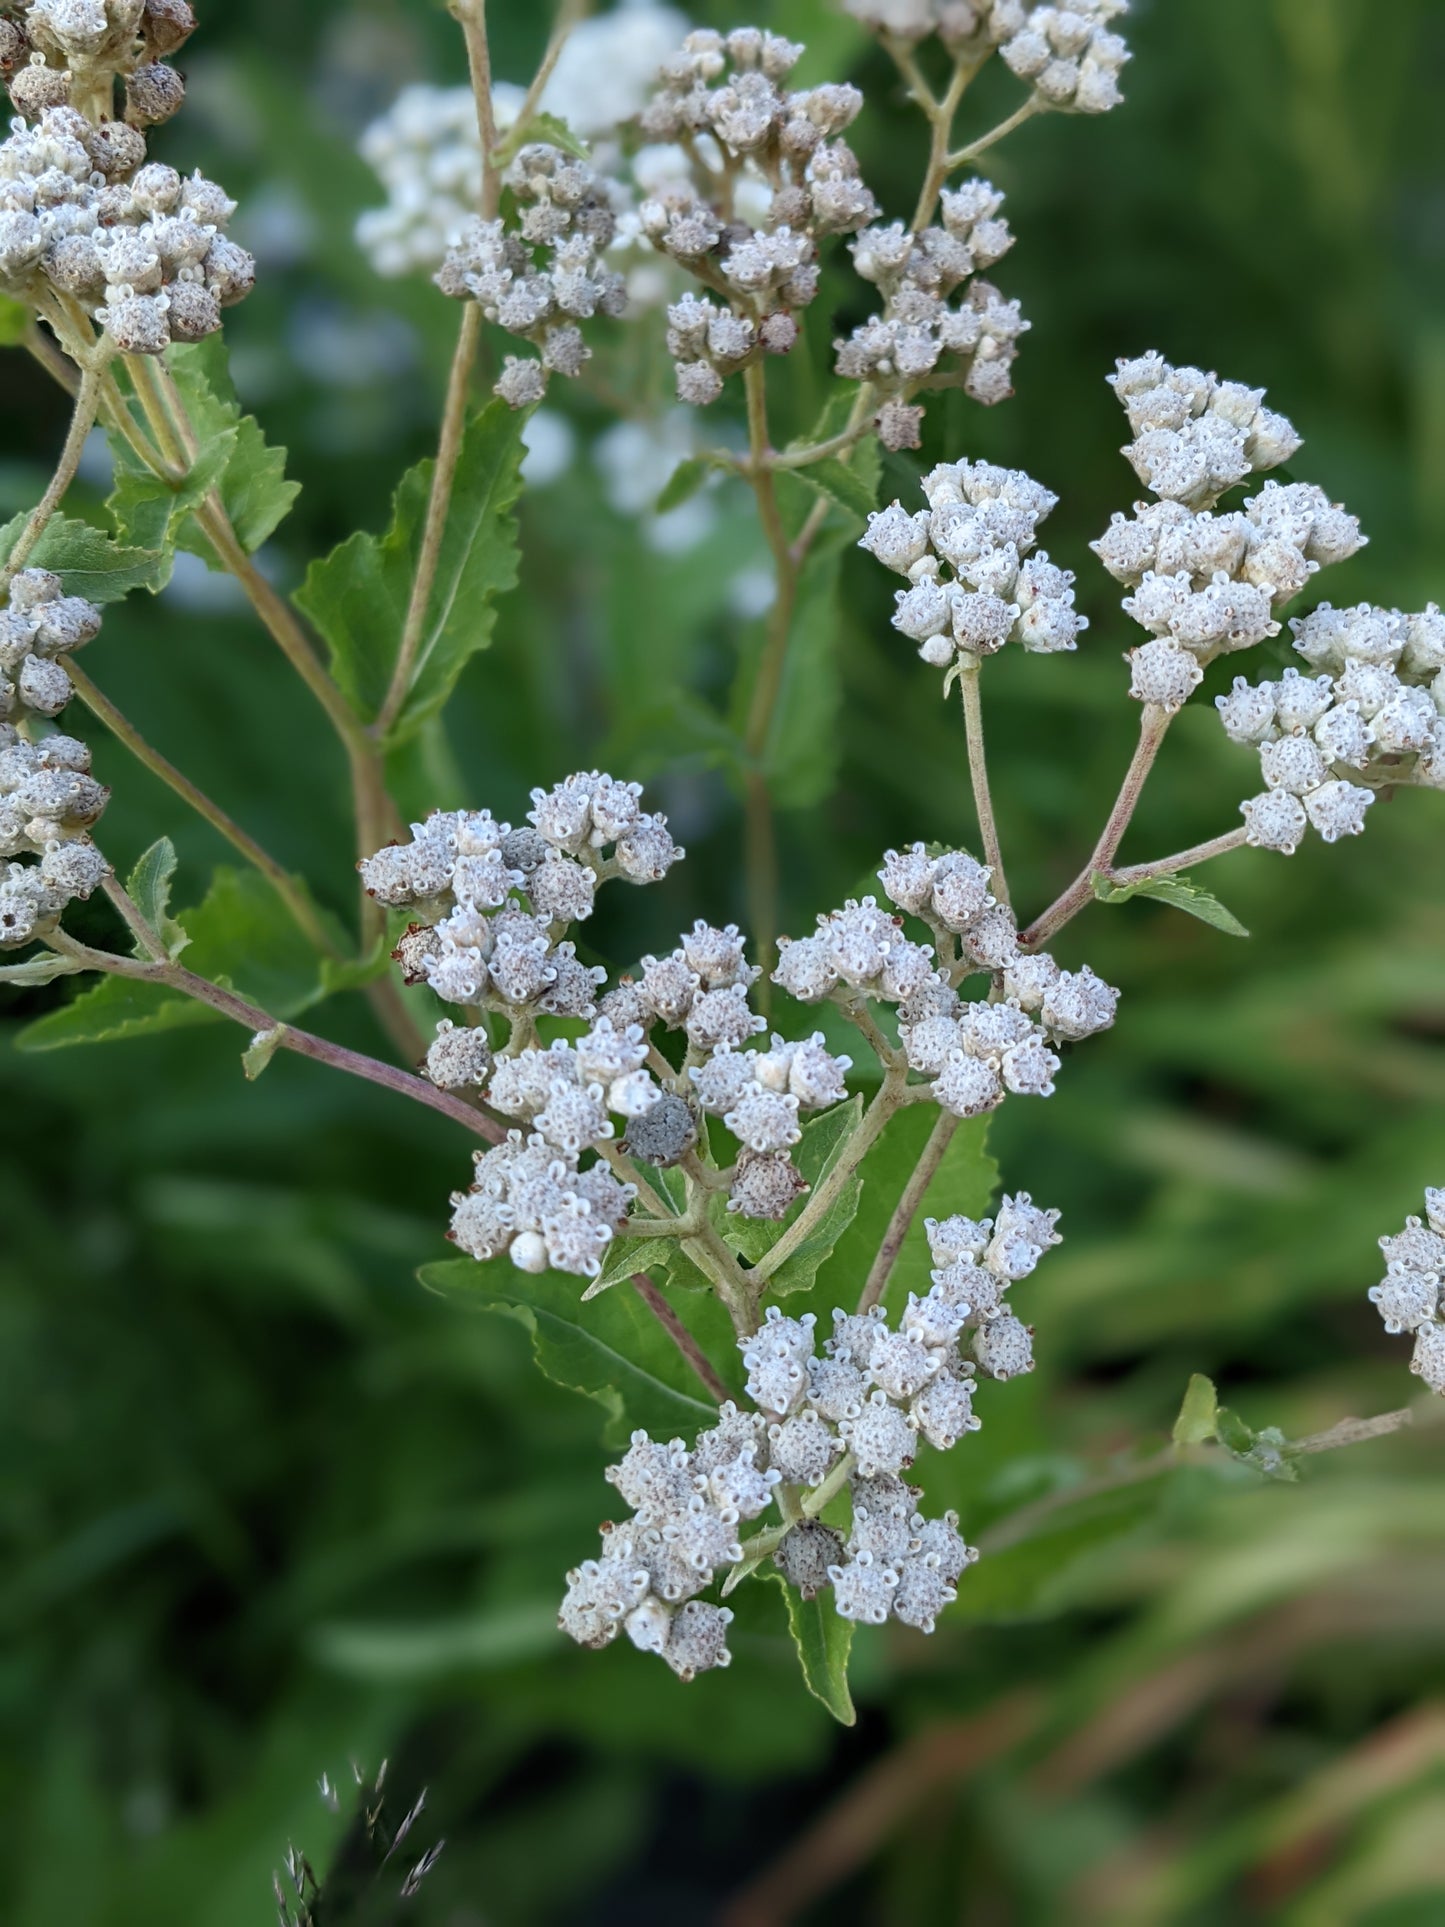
(919, 341)
(977, 1052)
(964, 555)
(1068, 55)
(761, 178)
(1409, 1297)
(851, 1415)
(49, 801)
(1206, 583)
(1328, 743)
(532, 1200)
(496, 900)
(61, 52)
(543, 279)
(142, 249)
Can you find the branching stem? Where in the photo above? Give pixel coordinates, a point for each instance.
(968, 683)
(881, 1270)
(82, 420)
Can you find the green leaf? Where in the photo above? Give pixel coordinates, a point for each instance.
(845, 485)
(824, 1641)
(550, 128)
(1198, 1415)
(241, 934)
(261, 1049)
(14, 321)
(626, 1256)
(354, 973)
(148, 509)
(150, 889)
(611, 1350)
(358, 595)
(683, 483)
(823, 1141)
(1180, 891)
(87, 561)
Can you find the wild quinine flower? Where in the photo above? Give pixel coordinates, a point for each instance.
(1409, 1297)
(920, 342)
(543, 278)
(756, 178)
(1068, 55)
(1206, 582)
(83, 212)
(1329, 742)
(427, 154)
(976, 582)
(851, 1414)
(49, 801)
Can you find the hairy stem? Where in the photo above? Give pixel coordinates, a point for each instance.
(968, 683)
(472, 17)
(1153, 724)
(881, 1270)
(302, 909)
(696, 1357)
(1183, 859)
(963, 155)
(172, 976)
(449, 448)
(82, 420)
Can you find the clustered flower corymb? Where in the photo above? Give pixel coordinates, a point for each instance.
(852, 1414)
(976, 582)
(759, 178)
(58, 50)
(1068, 55)
(49, 801)
(1411, 1296)
(920, 342)
(84, 214)
(539, 280)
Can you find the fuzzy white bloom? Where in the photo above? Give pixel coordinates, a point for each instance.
(1409, 1298)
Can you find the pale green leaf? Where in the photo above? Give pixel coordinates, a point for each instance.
(254, 489)
(15, 319)
(1180, 891)
(87, 561)
(149, 888)
(358, 595)
(261, 1049)
(1198, 1415)
(683, 483)
(845, 485)
(824, 1640)
(41, 969)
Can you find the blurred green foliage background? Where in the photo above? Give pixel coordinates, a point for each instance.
(268, 1506)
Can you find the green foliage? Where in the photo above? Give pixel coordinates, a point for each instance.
(612, 1350)
(233, 459)
(1180, 891)
(87, 561)
(14, 321)
(149, 888)
(823, 1640)
(240, 936)
(358, 595)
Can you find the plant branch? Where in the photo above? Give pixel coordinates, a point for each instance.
(173, 976)
(444, 474)
(940, 115)
(968, 683)
(696, 1357)
(914, 1192)
(1153, 724)
(1183, 859)
(888, 1099)
(963, 155)
(82, 420)
(472, 18)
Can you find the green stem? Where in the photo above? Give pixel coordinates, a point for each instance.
(686, 1344)
(82, 420)
(968, 682)
(914, 1192)
(889, 1098)
(1033, 105)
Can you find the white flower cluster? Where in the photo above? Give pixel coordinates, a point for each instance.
(426, 151)
(531, 1200)
(872, 1394)
(1409, 1297)
(141, 248)
(972, 588)
(977, 1052)
(1376, 715)
(1067, 54)
(758, 178)
(49, 801)
(540, 281)
(1207, 583)
(498, 898)
(919, 341)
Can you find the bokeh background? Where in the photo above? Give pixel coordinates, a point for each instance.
(269, 1506)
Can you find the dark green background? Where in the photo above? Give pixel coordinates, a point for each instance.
(269, 1506)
